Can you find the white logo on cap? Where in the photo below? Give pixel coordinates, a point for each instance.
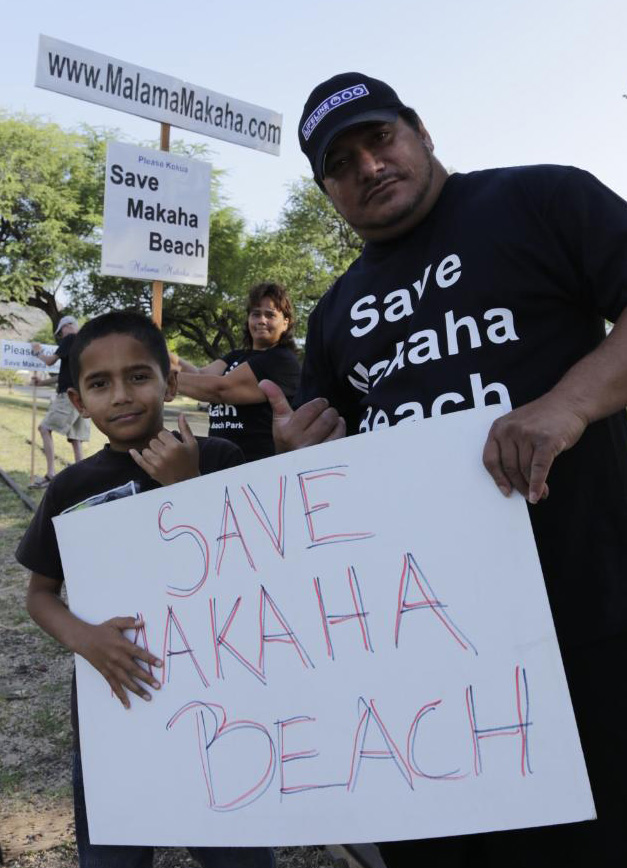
(330, 103)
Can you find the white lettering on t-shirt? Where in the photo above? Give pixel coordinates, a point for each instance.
(479, 392)
(503, 330)
(449, 271)
(412, 411)
(447, 398)
(426, 346)
(399, 303)
(452, 328)
(361, 381)
(219, 410)
(420, 286)
(358, 313)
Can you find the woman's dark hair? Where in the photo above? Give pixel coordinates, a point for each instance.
(121, 322)
(281, 299)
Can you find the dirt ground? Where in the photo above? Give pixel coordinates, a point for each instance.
(36, 820)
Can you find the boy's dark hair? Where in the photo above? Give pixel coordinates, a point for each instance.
(278, 294)
(120, 322)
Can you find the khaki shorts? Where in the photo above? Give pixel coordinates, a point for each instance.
(64, 418)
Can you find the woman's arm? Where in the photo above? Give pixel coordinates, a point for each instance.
(217, 367)
(239, 386)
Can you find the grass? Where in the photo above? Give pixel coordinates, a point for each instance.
(45, 723)
(10, 780)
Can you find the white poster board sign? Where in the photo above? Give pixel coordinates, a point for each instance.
(357, 645)
(18, 355)
(98, 78)
(156, 216)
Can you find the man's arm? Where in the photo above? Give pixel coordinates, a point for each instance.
(103, 645)
(523, 444)
(47, 358)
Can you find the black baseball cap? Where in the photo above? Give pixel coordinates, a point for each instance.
(343, 101)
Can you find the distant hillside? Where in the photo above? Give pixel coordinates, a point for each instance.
(26, 321)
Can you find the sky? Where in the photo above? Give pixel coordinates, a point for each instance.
(496, 82)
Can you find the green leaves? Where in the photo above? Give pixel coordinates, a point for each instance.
(50, 206)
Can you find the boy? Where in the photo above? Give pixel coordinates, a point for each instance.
(122, 377)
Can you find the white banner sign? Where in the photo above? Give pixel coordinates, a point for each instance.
(348, 633)
(87, 75)
(156, 216)
(19, 356)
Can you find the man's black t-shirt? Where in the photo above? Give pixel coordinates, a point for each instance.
(63, 352)
(250, 425)
(491, 299)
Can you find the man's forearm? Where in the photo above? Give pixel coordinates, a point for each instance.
(596, 386)
(523, 444)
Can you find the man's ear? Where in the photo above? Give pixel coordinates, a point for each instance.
(75, 397)
(171, 385)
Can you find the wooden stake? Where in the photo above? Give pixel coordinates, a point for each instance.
(33, 433)
(157, 286)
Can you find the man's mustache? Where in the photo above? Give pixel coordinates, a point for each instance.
(380, 181)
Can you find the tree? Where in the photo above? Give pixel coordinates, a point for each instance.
(51, 188)
(312, 229)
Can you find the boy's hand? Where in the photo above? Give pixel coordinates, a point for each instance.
(168, 459)
(114, 656)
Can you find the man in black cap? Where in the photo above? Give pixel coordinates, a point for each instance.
(489, 288)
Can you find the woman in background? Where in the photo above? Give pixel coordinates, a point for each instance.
(238, 408)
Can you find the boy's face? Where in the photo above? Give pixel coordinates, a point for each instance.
(122, 388)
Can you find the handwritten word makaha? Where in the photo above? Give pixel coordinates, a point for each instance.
(375, 733)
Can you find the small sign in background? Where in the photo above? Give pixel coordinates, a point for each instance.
(156, 216)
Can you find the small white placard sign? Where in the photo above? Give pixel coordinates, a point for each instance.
(18, 355)
(357, 643)
(156, 216)
(98, 78)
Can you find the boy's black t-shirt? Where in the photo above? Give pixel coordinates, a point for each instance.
(250, 425)
(503, 287)
(107, 475)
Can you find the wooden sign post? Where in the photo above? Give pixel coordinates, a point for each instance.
(157, 286)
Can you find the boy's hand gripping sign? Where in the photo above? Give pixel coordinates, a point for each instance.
(357, 646)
